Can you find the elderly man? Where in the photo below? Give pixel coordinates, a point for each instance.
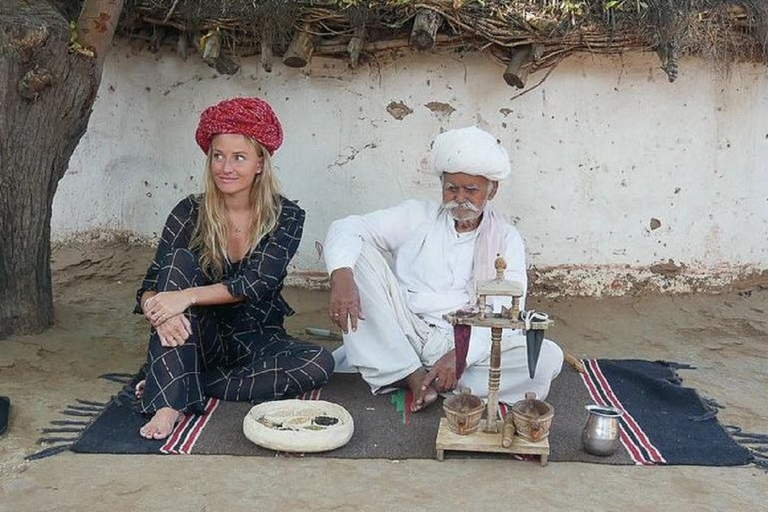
(395, 272)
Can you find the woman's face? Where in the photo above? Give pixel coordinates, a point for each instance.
(235, 163)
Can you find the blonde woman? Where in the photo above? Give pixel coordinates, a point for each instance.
(212, 294)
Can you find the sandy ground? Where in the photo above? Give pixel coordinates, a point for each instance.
(724, 336)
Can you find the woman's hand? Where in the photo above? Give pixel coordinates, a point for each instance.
(344, 308)
(165, 305)
(175, 331)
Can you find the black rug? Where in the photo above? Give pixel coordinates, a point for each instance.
(664, 423)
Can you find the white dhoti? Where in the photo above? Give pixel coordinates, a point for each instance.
(392, 342)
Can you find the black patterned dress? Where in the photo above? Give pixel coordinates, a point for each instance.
(237, 352)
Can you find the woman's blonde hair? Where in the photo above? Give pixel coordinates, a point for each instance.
(211, 232)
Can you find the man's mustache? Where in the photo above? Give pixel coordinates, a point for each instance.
(466, 205)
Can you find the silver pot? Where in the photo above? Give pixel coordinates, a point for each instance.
(601, 433)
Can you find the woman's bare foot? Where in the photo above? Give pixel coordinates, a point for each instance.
(140, 388)
(422, 398)
(162, 423)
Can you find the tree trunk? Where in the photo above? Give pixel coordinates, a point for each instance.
(46, 95)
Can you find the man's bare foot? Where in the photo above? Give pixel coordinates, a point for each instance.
(421, 397)
(162, 423)
(140, 388)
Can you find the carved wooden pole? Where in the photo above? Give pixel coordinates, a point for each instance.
(300, 50)
(424, 29)
(517, 70)
(494, 376)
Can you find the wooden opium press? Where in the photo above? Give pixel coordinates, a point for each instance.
(488, 437)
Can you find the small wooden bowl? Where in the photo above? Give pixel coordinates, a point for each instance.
(463, 413)
(532, 418)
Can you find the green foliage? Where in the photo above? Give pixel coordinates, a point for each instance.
(621, 5)
(572, 7)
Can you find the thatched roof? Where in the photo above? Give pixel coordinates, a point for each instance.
(546, 31)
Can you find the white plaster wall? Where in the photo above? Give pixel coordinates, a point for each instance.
(604, 145)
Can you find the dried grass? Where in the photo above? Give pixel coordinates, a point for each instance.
(718, 30)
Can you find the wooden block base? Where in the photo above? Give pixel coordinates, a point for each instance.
(482, 441)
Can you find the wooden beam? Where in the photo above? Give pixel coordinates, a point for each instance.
(226, 65)
(668, 56)
(266, 40)
(182, 45)
(96, 26)
(425, 28)
(517, 70)
(210, 47)
(300, 50)
(355, 46)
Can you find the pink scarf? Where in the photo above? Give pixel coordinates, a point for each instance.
(490, 242)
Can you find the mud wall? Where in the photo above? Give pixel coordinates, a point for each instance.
(622, 181)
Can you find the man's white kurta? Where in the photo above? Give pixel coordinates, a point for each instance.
(411, 266)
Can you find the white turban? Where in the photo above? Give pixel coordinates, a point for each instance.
(471, 151)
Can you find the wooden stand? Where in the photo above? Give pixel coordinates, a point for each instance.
(482, 441)
(489, 436)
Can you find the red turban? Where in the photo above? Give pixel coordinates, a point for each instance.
(247, 116)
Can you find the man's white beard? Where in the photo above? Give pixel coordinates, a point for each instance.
(462, 212)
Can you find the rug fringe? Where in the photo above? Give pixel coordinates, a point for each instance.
(122, 378)
(760, 461)
(710, 414)
(53, 450)
(90, 409)
(52, 440)
(70, 422)
(749, 440)
(711, 402)
(85, 408)
(67, 412)
(91, 402)
(62, 430)
(677, 366)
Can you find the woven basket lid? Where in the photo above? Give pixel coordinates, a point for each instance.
(298, 425)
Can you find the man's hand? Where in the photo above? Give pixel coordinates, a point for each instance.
(442, 376)
(344, 307)
(175, 331)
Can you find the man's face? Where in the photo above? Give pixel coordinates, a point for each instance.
(465, 195)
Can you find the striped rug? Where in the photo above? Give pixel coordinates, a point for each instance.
(664, 423)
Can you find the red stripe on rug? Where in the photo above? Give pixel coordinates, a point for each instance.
(653, 453)
(190, 425)
(310, 395)
(626, 441)
(202, 421)
(177, 432)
